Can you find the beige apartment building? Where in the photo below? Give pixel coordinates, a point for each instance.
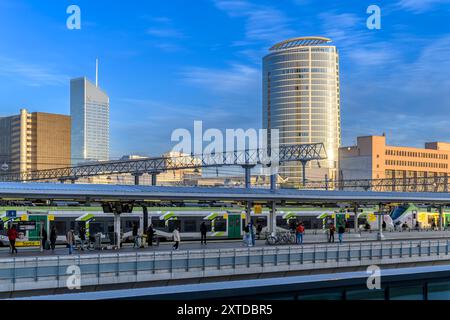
(372, 158)
(34, 141)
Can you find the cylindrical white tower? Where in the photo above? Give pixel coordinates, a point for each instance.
(301, 98)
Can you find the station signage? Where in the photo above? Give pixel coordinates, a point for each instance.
(24, 244)
(11, 214)
(258, 209)
(27, 226)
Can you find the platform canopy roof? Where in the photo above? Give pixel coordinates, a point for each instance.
(104, 193)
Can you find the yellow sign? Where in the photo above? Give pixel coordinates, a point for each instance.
(225, 216)
(51, 218)
(28, 244)
(258, 209)
(422, 218)
(24, 217)
(243, 216)
(347, 216)
(372, 217)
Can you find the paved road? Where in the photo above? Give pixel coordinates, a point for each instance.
(310, 239)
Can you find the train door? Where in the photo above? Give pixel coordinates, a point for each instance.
(234, 226)
(35, 235)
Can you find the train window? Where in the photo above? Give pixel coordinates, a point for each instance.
(159, 224)
(189, 226)
(96, 227)
(60, 227)
(220, 225)
(260, 221)
(173, 224)
(208, 226)
(282, 223)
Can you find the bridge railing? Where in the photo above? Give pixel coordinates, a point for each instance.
(24, 274)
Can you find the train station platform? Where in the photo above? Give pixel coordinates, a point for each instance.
(312, 237)
(38, 275)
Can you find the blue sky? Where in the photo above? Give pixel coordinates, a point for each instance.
(168, 63)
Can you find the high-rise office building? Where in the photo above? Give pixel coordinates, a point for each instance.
(89, 108)
(301, 98)
(34, 141)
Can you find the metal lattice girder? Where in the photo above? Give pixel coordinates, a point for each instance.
(419, 184)
(288, 153)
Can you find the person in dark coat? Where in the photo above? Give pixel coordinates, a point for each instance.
(53, 237)
(203, 231)
(331, 230)
(150, 234)
(44, 238)
(82, 235)
(341, 232)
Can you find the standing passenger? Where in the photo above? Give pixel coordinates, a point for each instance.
(341, 232)
(150, 233)
(53, 237)
(135, 235)
(82, 234)
(203, 231)
(252, 234)
(300, 233)
(12, 236)
(176, 238)
(332, 231)
(44, 239)
(70, 238)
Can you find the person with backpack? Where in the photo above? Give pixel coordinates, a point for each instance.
(82, 235)
(53, 237)
(12, 237)
(300, 231)
(341, 232)
(332, 230)
(203, 231)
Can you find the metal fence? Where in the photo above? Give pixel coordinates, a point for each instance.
(21, 274)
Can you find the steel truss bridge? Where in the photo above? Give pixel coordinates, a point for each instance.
(248, 159)
(419, 184)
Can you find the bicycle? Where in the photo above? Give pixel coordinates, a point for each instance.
(281, 238)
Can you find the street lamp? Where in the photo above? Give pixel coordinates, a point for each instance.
(380, 214)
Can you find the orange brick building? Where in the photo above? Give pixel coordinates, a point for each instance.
(372, 158)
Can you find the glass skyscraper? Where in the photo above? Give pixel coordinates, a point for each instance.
(89, 109)
(301, 98)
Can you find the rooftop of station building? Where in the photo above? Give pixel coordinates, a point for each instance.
(300, 42)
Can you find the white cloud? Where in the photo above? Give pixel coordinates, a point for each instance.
(420, 6)
(165, 32)
(237, 79)
(31, 74)
(263, 23)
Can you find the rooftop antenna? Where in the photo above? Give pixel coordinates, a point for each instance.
(96, 72)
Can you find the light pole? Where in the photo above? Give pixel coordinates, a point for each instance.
(380, 236)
